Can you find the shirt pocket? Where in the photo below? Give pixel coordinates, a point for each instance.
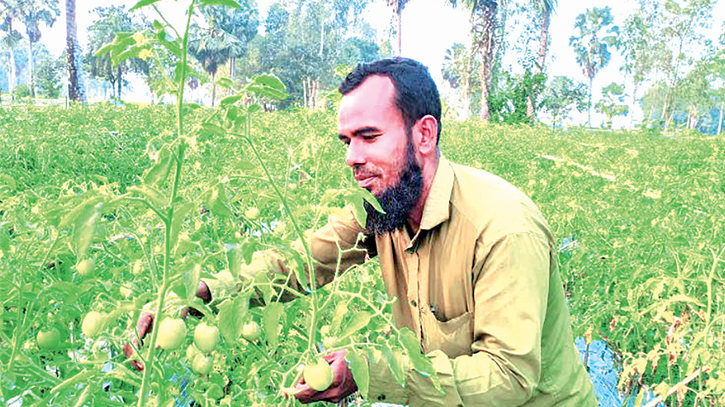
(454, 337)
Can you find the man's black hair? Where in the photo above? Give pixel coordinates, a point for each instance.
(416, 95)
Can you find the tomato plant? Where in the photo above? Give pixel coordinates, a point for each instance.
(318, 375)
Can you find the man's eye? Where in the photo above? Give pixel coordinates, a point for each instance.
(370, 137)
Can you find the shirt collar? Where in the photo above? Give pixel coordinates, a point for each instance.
(436, 209)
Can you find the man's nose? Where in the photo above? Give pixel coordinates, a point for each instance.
(355, 153)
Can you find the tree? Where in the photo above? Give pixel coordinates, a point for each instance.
(461, 73)
(398, 6)
(562, 96)
(10, 37)
(544, 8)
(592, 44)
(611, 103)
(225, 37)
(484, 41)
(49, 75)
(72, 53)
(112, 20)
(33, 13)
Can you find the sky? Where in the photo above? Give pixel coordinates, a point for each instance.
(430, 27)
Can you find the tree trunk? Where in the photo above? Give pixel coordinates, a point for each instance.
(119, 80)
(543, 46)
(31, 80)
(399, 28)
(634, 100)
(213, 88)
(486, 38)
(11, 72)
(589, 106)
(74, 91)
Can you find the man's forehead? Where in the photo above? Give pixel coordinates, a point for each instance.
(374, 96)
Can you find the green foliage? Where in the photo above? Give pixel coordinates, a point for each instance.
(561, 97)
(610, 105)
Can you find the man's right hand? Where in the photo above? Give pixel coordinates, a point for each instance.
(146, 322)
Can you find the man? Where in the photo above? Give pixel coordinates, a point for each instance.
(469, 258)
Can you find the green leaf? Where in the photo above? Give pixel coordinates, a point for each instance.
(142, 3)
(178, 222)
(150, 194)
(234, 258)
(356, 197)
(249, 247)
(230, 319)
(340, 313)
(270, 81)
(394, 358)
(271, 316)
(225, 3)
(360, 370)
(254, 108)
(218, 202)
(84, 227)
(225, 83)
(261, 281)
(9, 181)
(357, 322)
(159, 172)
(212, 129)
(421, 363)
(230, 100)
(191, 280)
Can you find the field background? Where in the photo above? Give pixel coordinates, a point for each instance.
(639, 216)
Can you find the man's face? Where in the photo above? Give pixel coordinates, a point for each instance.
(379, 151)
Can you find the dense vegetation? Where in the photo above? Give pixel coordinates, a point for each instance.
(639, 217)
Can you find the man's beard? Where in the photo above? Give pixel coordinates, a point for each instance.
(399, 200)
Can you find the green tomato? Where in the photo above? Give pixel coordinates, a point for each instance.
(48, 338)
(92, 324)
(251, 331)
(252, 213)
(86, 267)
(318, 376)
(206, 337)
(201, 365)
(172, 332)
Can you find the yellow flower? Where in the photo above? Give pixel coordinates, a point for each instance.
(145, 54)
(140, 39)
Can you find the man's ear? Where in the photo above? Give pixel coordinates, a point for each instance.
(427, 134)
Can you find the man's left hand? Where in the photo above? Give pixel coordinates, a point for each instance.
(342, 385)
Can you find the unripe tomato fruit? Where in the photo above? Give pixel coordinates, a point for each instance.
(206, 337)
(92, 323)
(48, 338)
(252, 213)
(192, 352)
(86, 267)
(251, 331)
(318, 376)
(201, 365)
(172, 332)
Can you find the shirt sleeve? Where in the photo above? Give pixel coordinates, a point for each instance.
(337, 246)
(511, 284)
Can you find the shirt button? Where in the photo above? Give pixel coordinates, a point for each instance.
(413, 303)
(381, 397)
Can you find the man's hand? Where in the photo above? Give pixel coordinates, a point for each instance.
(342, 385)
(146, 323)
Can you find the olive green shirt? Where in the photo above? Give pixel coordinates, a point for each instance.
(479, 285)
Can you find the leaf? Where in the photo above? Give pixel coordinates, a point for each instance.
(178, 222)
(142, 3)
(218, 202)
(271, 316)
(340, 313)
(84, 227)
(254, 108)
(225, 3)
(230, 319)
(150, 194)
(357, 322)
(356, 197)
(9, 181)
(234, 258)
(261, 281)
(394, 359)
(270, 81)
(421, 363)
(225, 82)
(230, 100)
(159, 172)
(191, 280)
(360, 370)
(212, 129)
(249, 247)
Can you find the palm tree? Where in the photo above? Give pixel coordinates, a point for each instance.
(592, 52)
(484, 41)
(544, 8)
(33, 13)
(72, 52)
(398, 6)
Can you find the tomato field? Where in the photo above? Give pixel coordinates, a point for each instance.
(109, 212)
(639, 215)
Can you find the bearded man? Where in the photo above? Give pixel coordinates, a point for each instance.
(469, 258)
